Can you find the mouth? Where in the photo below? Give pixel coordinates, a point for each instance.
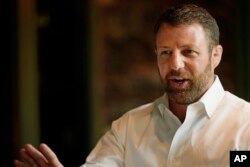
(178, 79)
(178, 83)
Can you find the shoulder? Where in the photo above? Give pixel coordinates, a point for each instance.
(133, 121)
(234, 108)
(138, 117)
(240, 119)
(137, 114)
(236, 102)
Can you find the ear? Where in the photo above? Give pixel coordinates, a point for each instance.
(216, 55)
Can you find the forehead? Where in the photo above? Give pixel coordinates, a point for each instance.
(187, 34)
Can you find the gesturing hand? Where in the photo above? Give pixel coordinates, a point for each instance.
(42, 157)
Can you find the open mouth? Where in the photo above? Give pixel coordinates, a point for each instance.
(178, 83)
(179, 80)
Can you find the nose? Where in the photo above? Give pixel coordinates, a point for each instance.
(176, 61)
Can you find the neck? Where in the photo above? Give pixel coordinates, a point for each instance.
(179, 110)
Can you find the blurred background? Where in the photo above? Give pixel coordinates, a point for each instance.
(70, 67)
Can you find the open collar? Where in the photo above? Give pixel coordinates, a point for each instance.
(213, 96)
(209, 100)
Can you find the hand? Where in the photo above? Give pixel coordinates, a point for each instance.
(42, 157)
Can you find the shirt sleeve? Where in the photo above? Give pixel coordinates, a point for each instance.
(243, 137)
(109, 151)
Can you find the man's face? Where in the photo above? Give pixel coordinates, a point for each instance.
(185, 64)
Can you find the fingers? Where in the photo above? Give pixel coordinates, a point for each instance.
(33, 156)
(28, 159)
(44, 157)
(49, 155)
(18, 163)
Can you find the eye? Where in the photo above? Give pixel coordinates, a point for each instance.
(189, 52)
(165, 53)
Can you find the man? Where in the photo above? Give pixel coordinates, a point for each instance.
(195, 122)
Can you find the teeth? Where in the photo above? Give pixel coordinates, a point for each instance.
(177, 78)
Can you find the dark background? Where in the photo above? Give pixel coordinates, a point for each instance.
(63, 87)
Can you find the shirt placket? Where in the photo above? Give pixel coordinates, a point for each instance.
(181, 136)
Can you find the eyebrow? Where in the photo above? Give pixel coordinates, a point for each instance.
(183, 46)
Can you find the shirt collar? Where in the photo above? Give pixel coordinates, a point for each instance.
(210, 99)
(162, 104)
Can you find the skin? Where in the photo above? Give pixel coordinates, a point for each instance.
(186, 68)
(185, 64)
(41, 157)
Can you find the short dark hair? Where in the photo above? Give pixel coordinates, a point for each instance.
(190, 14)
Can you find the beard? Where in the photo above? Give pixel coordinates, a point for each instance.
(194, 88)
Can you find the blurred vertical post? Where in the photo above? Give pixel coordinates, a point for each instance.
(28, 73)
(97, 67)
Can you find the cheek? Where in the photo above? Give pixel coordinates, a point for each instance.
(196, 67)
(200, 69)
(163, 69)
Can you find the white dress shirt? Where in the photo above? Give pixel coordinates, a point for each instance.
(152, 136)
